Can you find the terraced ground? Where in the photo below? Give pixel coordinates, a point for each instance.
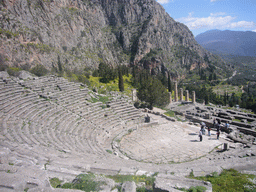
(54, 128)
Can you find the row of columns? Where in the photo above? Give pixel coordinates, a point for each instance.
(176, 99)
(181, 94)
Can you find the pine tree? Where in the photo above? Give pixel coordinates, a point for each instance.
(59, 64)
(121, 81)
(210, 77)
(214, 76)
(169, 83)
(206, 99)
(225, 98)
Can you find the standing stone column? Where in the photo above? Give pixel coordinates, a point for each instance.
(170, 96)
(181, 94)
(193, 96)
(187, 96)
(175, 91)
(134, 95)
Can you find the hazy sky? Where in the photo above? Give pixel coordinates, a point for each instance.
(204, 15)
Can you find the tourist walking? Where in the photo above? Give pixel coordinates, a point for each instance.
(214, 123)
(209, 131)
(227, 125)
(200, 135)
(203, 128)
(219, 121)
(218, 127)
(218, 135)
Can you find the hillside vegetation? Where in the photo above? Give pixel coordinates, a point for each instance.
(74, 34)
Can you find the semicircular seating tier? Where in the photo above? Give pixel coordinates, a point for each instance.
(63, 115)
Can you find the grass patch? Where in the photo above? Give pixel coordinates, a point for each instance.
(170, 113)
(103, 106)
(84, 182)
(8, 34)
(237, 120)
(109, 151)
(93, 100)
(229, 181)
(194, 189)
(103, 99)
(55, 182)
(130, 131)
(149, 181)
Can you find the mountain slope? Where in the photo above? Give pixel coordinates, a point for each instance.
(229, 42)
(75, 34)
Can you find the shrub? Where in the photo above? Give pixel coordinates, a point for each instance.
(148, 181)
(55, 182)
(13, 71)
(39, 70)
(84, 182)
(141, 189)
(197, 189)
(84, 80)
(170, 113)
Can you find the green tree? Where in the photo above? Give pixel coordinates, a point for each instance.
(39, 70)
(135, 76)
(169, 83)
(121, 80)
(59, 65)
(225, 98)
(214, 76)
(210, 77)
(152, 91)
(206, 99)
(106, 72)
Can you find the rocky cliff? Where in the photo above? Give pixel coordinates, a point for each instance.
(79, 33)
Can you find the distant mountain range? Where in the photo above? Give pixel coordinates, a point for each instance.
(229, 42)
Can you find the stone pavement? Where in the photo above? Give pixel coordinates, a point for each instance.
(167, 142)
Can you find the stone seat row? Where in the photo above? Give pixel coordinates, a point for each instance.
(33, 120)
(41, 135)
(60, 137)
(17, 108)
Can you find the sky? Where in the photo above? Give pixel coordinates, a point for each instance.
(204, 15)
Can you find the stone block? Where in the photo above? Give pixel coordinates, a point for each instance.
(3, 75)
(25, 75)
(129, 186)
(141, 172)
(225, 146)
(127, 171)
(170, 183)
(9, 181)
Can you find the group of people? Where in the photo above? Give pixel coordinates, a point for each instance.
(216, 125)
